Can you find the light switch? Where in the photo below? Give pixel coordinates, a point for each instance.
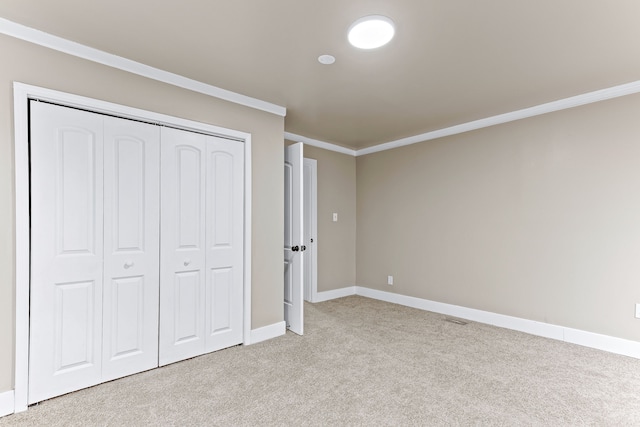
(335, 217)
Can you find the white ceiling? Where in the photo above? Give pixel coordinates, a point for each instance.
(451, 62)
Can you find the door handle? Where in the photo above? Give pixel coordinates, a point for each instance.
(303, 248)
(128, 264)
(295, 248)
(187, 262)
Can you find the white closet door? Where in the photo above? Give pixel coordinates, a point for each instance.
(66, 250)
(131, 247)
(225, 241)
(183, 250)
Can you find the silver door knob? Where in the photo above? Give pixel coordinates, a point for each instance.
(128, 264)
(187, 262)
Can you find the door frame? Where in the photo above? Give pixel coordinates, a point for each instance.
(22, 93)
(310, 206)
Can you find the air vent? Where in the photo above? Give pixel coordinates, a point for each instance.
(456, 321)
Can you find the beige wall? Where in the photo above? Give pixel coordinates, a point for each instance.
(336, 240)
(39, 66)
(538, 218)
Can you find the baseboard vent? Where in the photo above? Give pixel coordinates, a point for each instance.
(456, 321)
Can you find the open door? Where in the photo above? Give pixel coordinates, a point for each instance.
(293, 238)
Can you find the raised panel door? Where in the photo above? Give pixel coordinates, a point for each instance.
(183, 251)
(225, 242)
(131, 247)
(66, 250)
(293, 239)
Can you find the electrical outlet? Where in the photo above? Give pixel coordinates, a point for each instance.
(335, 217)
(637, 311)
(389, 280)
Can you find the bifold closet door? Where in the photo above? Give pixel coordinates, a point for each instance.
(201, 285)
(225, 243)
(94, 249)
(182, 257)
(131, 247)
(66, 250)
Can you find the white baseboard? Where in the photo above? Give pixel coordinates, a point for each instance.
(603, 342)
(268, 332)
(6, 403)
(561, 333)
(333, 294)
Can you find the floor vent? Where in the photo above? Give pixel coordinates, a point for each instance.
(456, 321)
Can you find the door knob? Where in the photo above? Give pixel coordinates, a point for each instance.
(128, 264)
(295, 248)
(187, 262)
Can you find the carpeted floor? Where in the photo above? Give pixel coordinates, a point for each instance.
(366, 362)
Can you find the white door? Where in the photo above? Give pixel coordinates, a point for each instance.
(225, 243)
(95, 237)
(183, 254)
(293, 235)
(66, 250)
(201, 286)
(95, 249)
(310, 229)
(131, 247)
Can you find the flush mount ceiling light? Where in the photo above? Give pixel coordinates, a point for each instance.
(371, 32)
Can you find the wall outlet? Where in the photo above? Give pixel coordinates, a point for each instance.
(637, 311)
(389, 280)
(335, 217)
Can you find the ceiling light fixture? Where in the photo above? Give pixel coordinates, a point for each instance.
(371, 32)
(326, 59)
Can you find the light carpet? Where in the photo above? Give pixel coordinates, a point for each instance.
(366, 362)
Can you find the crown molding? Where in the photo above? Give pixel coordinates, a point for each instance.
(60, 44)
(320, 144)
(549, 107)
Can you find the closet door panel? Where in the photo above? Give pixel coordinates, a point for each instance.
(66, 250)
(225, 241)
(183, 252)
(132, 247)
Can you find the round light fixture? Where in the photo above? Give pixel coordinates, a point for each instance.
(371, 32)
(326, 59)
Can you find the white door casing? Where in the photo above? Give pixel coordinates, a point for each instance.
(66, 250)
(293, 235)
(310, 229)
(131, 247)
